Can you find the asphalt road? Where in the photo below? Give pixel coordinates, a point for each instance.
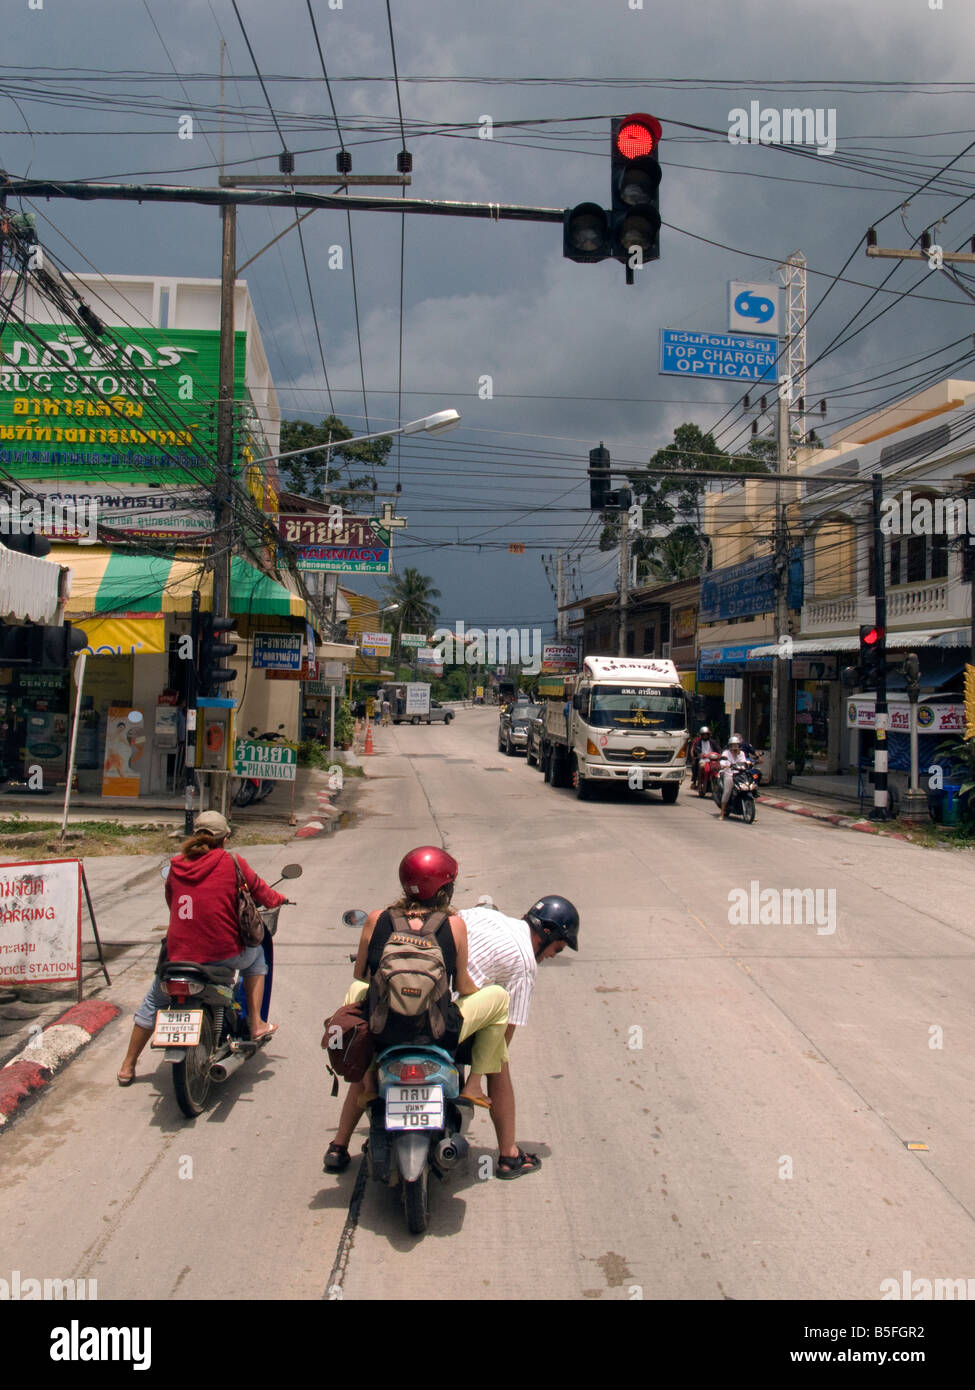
(722, 1106)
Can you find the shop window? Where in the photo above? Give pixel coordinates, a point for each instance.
(630, 643)
(939, 557)
(665, 627)
(894, 562)
(917, 552)
(648, 636)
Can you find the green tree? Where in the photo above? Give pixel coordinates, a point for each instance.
(414, 593)
(311, 474)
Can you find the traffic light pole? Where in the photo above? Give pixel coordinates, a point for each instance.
(624, 579)
(880, 802)
(224, 520)
(779, 713)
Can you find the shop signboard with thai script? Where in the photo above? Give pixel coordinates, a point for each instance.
(135, 406)
(932, 718)
(277, 651)
(40, 921)
(77, 513)
(559, 657)
(272, 762)
(744, 591)
(336, 543)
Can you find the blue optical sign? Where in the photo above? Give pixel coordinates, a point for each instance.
(738, 356)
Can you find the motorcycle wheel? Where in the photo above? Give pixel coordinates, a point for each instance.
(191, 1077)
(266, 789)
(416, 1204)
(702, 785)
(748, 810)
(245, 793)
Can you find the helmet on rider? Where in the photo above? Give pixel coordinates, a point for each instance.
(734, 741)
(554, 919)
(424, 871)
(703, 730)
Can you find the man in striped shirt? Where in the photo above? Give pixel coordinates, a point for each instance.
(505, 951)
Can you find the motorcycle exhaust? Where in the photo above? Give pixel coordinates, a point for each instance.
(227, 1065)
(450, 1150)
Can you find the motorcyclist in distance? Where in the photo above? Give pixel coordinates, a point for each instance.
(733, 757)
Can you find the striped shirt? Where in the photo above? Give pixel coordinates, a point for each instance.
(499, 952)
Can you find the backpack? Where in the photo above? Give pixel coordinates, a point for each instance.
(349, 1044)
(411, 978)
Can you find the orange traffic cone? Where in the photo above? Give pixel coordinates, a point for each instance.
(368, 748)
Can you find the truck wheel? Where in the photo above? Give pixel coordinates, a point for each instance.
(545, 762)
(416, 719)
(669, 793)
(580, 784)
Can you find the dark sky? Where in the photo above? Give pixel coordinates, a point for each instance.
(570, 350)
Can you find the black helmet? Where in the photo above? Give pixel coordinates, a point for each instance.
(555, 919)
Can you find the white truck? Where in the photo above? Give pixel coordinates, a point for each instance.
(621, 719)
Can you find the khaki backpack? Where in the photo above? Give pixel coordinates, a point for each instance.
(411, 978)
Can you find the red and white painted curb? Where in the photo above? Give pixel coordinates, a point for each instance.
(49, 1050)
(316, 825)
(798, 808)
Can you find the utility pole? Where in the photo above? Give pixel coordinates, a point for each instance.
(223, 531)
(880, 803)
(624, 577)
(779, 715)
(560, 616)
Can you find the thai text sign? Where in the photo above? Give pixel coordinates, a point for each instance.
(559, 656)
(40, 921)
(135, 407)
(277, 651)
(931, 718)
(272, 762)
(738, 355)
(336, 543)
(375, 643)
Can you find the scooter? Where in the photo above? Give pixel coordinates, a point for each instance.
(205, 1033)
(707, 771)
(415, 1124)
(744, 788)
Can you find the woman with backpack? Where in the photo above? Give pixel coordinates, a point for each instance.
(201, 890)
(427, 876)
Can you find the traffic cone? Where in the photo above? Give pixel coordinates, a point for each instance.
(368, 748)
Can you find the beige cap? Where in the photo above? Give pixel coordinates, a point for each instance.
(213, 822)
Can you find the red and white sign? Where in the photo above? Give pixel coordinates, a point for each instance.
(931, 718)
(559, 656)
(40, 921)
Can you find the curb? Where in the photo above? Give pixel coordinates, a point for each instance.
(48, 1051)
(797, 808)
(317, 824)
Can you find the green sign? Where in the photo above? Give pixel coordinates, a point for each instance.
(137, 406)
(412, 639)
(273, 762)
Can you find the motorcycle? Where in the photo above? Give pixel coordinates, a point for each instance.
(707, 771)
(744, 788)
(251, 789)
(415, 1124)
(205, 1033)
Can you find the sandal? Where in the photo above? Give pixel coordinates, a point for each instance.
(124, 1080)
(336, 1159)
(516, 1164)
(466, 1101)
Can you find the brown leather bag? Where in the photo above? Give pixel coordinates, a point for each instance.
(349, 1044)
(250, 923)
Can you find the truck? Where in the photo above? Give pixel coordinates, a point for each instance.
(409, 701)
(619, 719)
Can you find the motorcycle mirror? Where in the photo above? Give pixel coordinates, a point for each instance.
(355, 917)
(164, 872)
(291, 871)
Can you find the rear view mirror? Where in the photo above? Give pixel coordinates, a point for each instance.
(164, 872)
(291, 871)
(355, 917)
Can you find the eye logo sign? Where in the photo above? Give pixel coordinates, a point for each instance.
(754, 306)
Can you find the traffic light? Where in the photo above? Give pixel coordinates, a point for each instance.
(635, 178)
(27, 543)
(873, 653)
(44, 648)
(586, 234)
(211, 675)
(970, 701)
(599, 479)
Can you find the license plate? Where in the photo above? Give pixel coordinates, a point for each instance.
(414, 1107)
(177, 1028)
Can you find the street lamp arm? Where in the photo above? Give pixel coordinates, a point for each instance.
(439, 423)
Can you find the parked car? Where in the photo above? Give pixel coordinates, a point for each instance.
(533, 748)
(439, 714)
(513, 727)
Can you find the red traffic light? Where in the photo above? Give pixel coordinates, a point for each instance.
(870, 636)
(638, 136)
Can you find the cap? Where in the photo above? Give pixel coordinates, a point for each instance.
(213, 822)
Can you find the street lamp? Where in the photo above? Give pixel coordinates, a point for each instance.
(439, 423)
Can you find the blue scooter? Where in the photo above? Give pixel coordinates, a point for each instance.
(415, 1123)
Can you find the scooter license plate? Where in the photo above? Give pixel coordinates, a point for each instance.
(414, 1107)
(177, 1028)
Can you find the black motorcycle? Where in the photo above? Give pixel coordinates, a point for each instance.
(205, 1032)
(744, 789)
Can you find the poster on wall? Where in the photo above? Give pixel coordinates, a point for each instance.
(125, 745)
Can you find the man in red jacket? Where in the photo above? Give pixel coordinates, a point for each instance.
(201, 891)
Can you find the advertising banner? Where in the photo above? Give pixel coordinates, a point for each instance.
(375, 643)
(277, 651)
(40, 921)
(337, 543)
(931, 718)
(740, 356)
(136, 407)
(125, 744)
(71, 514)
(559, 656)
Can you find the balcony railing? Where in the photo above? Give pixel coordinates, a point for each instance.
(934, 600)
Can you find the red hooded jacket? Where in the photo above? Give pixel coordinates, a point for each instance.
(202, 898)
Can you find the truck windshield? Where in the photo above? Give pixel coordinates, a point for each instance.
(637, 707)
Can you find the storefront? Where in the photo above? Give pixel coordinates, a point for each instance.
(718, 664)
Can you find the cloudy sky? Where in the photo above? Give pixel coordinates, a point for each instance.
(570, 351)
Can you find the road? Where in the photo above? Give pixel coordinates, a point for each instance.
(722, 1107)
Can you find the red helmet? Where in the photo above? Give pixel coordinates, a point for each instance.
(424, 871)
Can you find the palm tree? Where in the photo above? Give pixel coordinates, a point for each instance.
(412, 591)
(678, 557)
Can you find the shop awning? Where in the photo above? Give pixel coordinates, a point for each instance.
(896, 641)
(29, 587)
(136, 586)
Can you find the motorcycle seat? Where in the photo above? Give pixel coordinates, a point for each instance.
(216, 974)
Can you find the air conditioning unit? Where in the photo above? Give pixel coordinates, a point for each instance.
(666, 651)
